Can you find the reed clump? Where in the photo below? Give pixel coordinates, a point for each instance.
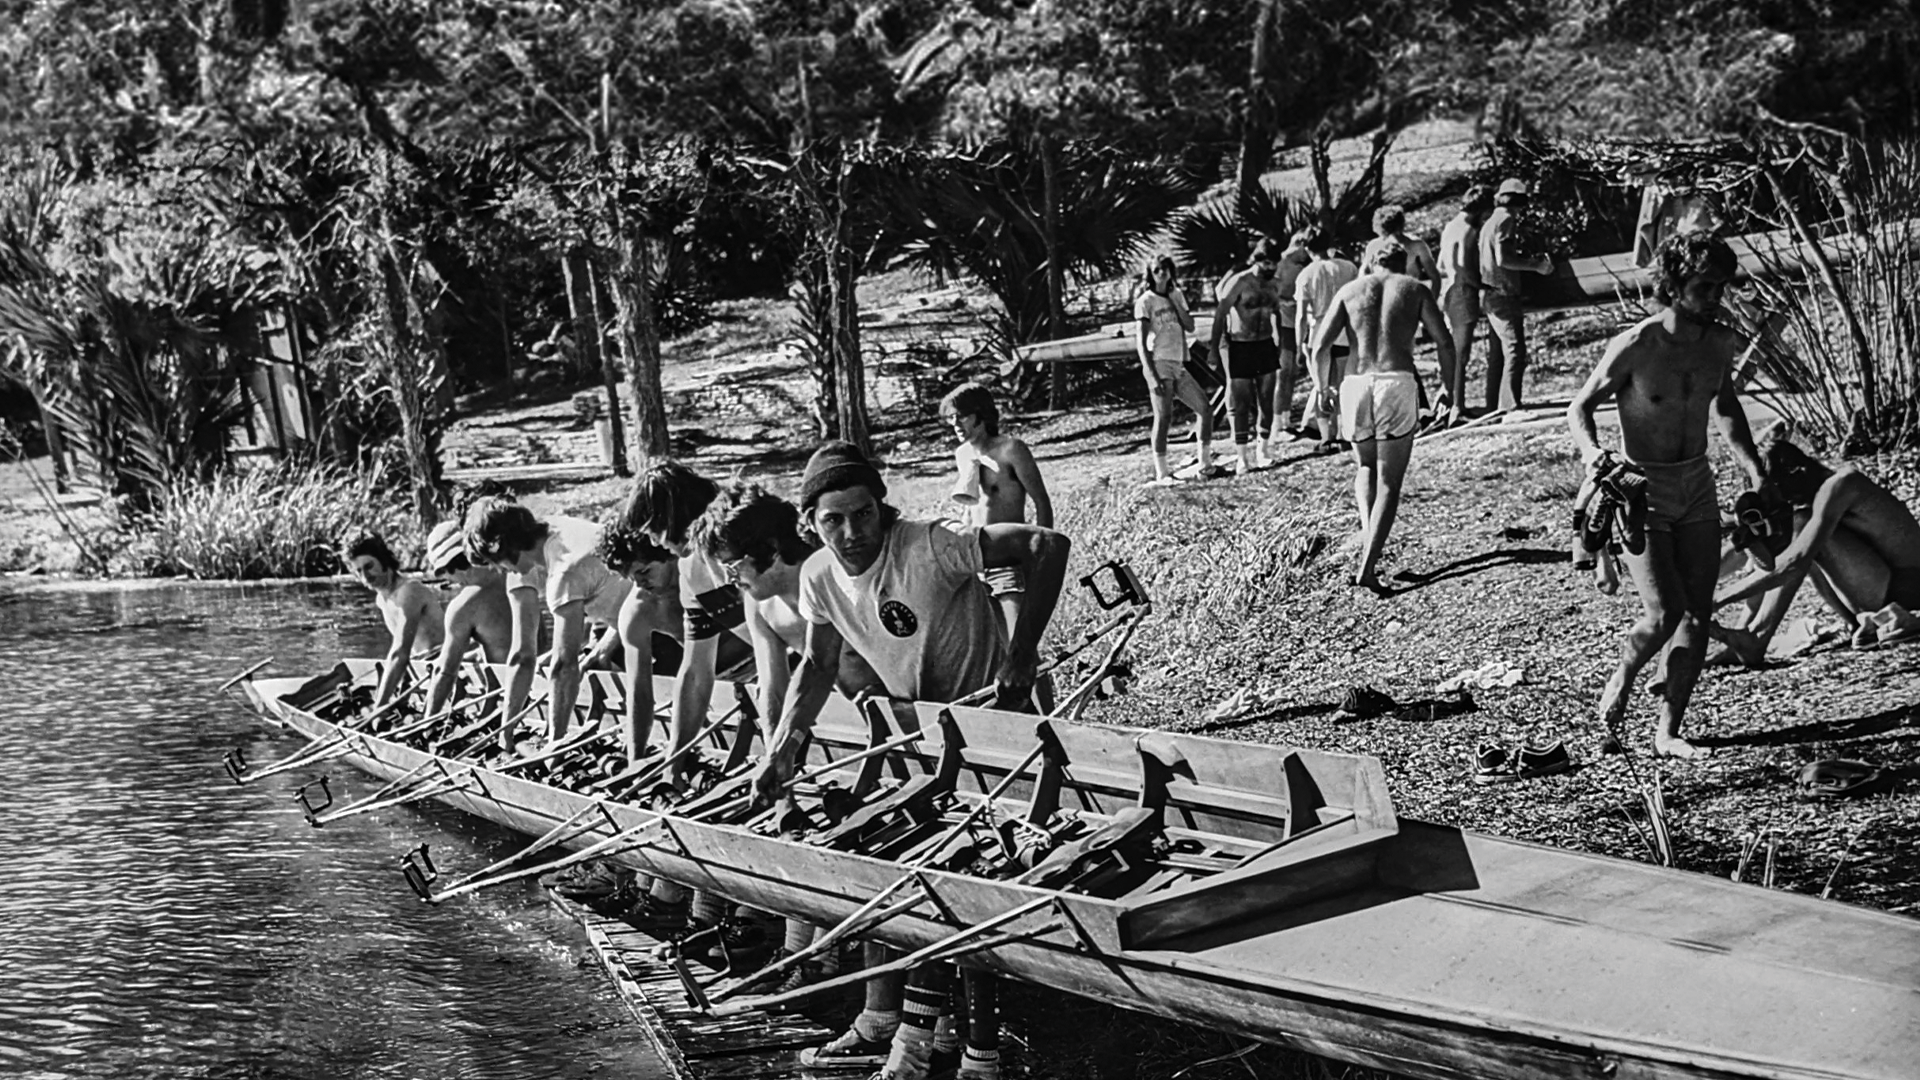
(282, 521)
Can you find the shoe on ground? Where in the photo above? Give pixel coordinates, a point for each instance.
(668, 922)
(850, 1051)
(1365, 703)
(1895, 624)
(1494, 765)
(1536, 761)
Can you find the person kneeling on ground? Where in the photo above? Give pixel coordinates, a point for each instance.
(1857, 540)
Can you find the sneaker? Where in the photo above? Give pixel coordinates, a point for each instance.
(658, 919)
(1868, 635)
(850, 1051)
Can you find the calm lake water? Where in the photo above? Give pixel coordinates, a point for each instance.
(156, 920)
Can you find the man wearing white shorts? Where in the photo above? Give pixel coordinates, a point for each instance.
(1379, 399)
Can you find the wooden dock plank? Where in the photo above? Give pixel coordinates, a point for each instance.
(692, 1045)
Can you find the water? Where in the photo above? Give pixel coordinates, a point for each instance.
(157, 920)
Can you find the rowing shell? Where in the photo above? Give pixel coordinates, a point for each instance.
(1262, 890)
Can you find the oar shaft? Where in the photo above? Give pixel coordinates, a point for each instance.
(557, 834)
(585, 853)
(425, 791)
(243, 676)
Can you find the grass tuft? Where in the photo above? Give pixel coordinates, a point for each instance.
(276, 522)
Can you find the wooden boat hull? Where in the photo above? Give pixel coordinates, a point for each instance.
(1397, 944)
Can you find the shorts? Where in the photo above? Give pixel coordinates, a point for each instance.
(1379, 405)
(1184, 388)
(1680, 493)
(1005, 580)
(1253, 359)
(1903, 587)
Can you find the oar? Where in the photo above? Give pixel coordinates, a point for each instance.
(389, 787)
(609, 845)
(426, 722)
(243, 676)
(950, 947)
(848, 925)
(561, 749)
(747, 801)
(645, 772)
(323, 748)
(441, 786)
(559, 834)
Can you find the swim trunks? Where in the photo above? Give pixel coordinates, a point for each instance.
(1379, 405)
(1680, 493)
(1004, 580)
(1254, 358)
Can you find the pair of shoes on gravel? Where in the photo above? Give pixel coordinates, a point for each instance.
(1499, 765)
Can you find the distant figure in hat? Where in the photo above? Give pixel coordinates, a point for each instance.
(1459, 265)
(478, 614)
(410, 609)
(1501, 264)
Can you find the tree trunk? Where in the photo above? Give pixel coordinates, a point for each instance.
(632, 281)
(1256, 126)
(582, 303)
(850, 372)
(1056, 270)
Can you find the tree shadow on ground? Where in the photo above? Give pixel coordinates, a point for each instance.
(1843, 730)
(1407, 581)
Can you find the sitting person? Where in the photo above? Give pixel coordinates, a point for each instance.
(410, 609)
(1860, 543)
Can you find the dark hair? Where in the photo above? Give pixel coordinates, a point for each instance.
(1320, 242)
(1267, 250)
(972, 399)
(1796, 474)
(1479, 200)
(889, 515)
(500, 531)
(1391, 256)
(1686, 255)
(749, 522)
(1390, 218)
(623, 547)
(1153, 263)
(666, 499)
(367, 543)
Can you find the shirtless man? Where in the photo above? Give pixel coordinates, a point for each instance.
(997, 478)
(1459, 266)
(1501, 264)
(410, 609)
(1860, 543)
(1390, 226)
(1313, 297)
(550, 561)
(906, 596)
(1161, 342)
(478, 614)
(1379, 397)
(1248, 314)
(1286, 277)
(1669, 373)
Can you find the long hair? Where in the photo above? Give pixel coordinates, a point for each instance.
(666, 499)
(1686, 255)
(749, 522)
(368, 543)
(500, 531)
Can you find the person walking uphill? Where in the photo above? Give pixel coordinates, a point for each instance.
(1501, 266)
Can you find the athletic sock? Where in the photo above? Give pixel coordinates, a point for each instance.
(1161, 467)
(976, 1064)
(877, 1025)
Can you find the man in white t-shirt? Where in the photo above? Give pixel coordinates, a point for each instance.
(549, 561)
(907, 596)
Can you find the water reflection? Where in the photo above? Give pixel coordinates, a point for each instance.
(158, 920)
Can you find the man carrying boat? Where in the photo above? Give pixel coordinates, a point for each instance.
(479, 615)
(410, 609)
(907, 596)
(549, 560)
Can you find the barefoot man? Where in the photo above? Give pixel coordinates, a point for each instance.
(1379, 397)
(1669, 372)
(410, 609)
(1859, 542)
(1249, 315)
(997, 478)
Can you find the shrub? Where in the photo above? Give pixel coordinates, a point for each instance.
(282, 521)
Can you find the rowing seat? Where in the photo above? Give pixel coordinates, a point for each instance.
(1130, 837)
(915, 802)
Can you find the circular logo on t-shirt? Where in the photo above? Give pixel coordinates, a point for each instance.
(898, 618)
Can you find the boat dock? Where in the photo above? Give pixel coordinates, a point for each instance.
(693, 1046)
